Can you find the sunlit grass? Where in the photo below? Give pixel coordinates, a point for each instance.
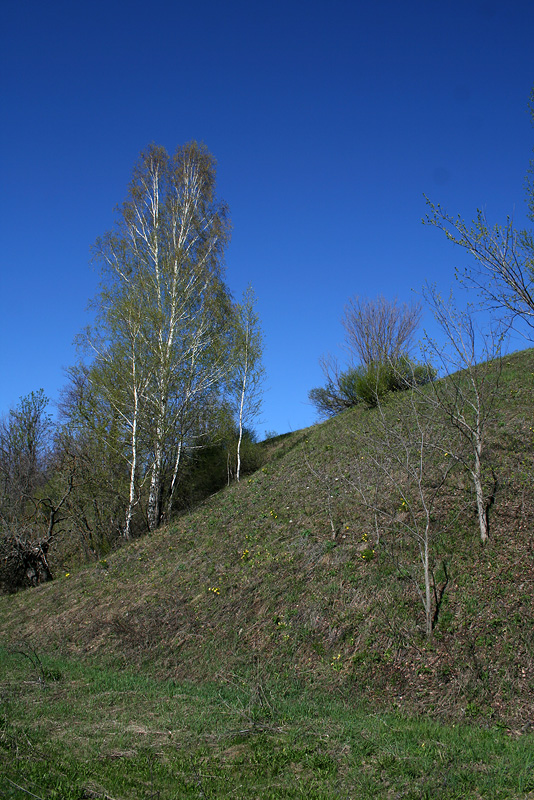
(88, 731)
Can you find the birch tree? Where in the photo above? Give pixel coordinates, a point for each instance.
(248, 372)
(166, 251)
(121, 373)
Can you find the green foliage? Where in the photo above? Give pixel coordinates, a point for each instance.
(161, 342)
(329, 400)
(211, 468)
(368, 384)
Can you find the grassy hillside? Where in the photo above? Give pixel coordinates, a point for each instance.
(274, 593)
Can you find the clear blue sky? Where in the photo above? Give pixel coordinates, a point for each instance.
(329, 121)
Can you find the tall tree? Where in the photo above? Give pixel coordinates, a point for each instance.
(162, 266)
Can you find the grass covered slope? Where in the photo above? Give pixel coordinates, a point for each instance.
(281, 574)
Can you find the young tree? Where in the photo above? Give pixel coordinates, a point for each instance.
(163, 263)
(248, 372)
(401, 476)
(502, 268)
(503, 261)
(470, 363)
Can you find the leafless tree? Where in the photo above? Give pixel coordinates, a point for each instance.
(401, 476)
(380, 330)
(470, 361)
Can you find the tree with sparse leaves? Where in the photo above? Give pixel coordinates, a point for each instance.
(466, 394)
(502, 257)
(161, 342)
(401, 475)
(379, 337)
(248, 374)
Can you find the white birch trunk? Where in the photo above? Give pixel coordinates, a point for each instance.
(174, 479)
(133, 468)
(154, 496)
(240, 437)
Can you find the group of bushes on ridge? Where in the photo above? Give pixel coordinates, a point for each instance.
(367, 384)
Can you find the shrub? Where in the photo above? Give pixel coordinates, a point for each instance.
(368, 384)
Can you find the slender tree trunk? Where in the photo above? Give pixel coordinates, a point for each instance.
(240, 437)
(428, 592)
(133, 468)
(131, 497)
(242, 401)
(174, 479)
(479, 492)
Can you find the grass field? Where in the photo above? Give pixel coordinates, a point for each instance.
(71, 731)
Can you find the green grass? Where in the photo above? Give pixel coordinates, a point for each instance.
(87, 731)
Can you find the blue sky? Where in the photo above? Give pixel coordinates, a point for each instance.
(329, 121)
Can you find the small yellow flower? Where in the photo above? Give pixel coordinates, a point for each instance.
(67, 574)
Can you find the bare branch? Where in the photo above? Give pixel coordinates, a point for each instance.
(379, 330)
